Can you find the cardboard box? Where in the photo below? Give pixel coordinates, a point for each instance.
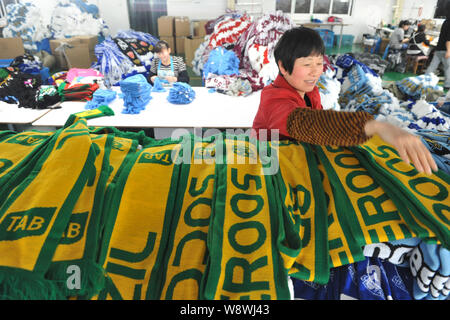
(80, 55)
(166, 26)
(171, 42)
(383, 44)
(179, 45)
(191, 44)
(11, 48)
(182, 27)
(199, 28)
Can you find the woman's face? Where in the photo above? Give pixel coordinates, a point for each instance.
(164, 54)
(305, 74)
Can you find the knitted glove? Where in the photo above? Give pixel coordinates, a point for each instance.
(328, 127)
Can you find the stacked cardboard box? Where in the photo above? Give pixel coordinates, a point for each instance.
(11, 48)
(174, 30)
(80, 54)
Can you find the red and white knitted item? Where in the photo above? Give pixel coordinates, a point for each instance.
(229, 30)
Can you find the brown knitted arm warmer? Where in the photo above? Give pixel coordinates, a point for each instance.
(328, 127)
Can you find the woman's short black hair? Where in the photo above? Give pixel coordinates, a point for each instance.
(404, 23)
(298, 43)
(161, 45)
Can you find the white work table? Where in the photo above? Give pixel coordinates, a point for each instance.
(12, 115)
(208, 110)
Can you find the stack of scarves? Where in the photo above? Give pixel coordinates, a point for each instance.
(78, 92)
(136, 93)
(25, 21)
(229, 30)
(221, 62)
(127, 54)
(223, 217)
(101, 97)
(419, 86)
(181, 93)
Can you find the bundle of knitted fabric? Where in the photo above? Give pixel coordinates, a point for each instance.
(232, 85)
(362, 90)
(255, 47)
(136, 93)
(20, 88)
(158, 86)
(418, 86)
(111, 62)
(373, 61)
(329, 90)
(25, 21)
(181, 93)
(221, 62)
(101, 97)
(138, 240)
(27, 64)
(229, 30)
(75, 18)
(77, 92)
(127, 54)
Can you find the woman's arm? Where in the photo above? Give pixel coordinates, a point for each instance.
(339, 128)
(183, 76)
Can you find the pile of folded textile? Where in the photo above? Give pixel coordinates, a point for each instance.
(136, 93)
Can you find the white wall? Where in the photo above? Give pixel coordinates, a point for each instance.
(115, 14)
(197, 9)
(411, 9)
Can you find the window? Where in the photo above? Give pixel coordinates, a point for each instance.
(302, 6)
(330, 7)
(284, 5)
(341, 7)
(322, 6)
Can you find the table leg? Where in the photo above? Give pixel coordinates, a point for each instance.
(340, 40)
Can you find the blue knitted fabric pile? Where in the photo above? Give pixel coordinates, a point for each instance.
(221, 62)
(181, 93)
(157, 86)
(136, 93)
(100, 97)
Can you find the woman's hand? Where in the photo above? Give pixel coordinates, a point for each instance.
(409, 147)
(171, 79)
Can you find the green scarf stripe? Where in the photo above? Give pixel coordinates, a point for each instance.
(419, 211)
(403, 206)
(6, 134)
(92, 234)
(178, 185)
(215, 230)
(276, 228)
(344, 209)
(322, 272)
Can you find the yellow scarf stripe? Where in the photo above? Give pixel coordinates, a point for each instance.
(186, 252)
(31, 221)
(245, 262)
(142, 223)
(79, 243)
